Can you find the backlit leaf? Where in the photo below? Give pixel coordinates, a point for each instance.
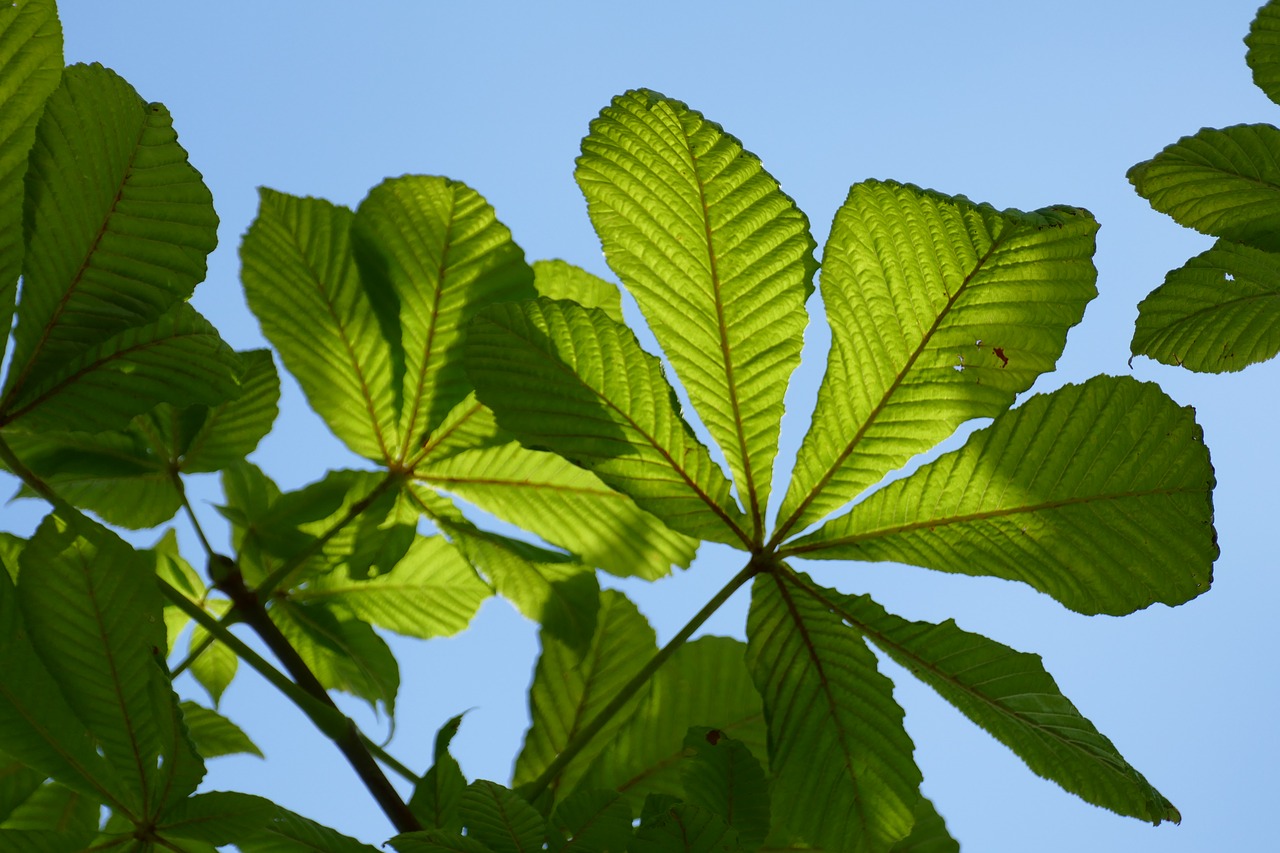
(1264, 50)
(216, 666)
(722, 776)
(344, 652)
(435, 797)
(214, 735)
(500, 819)
(929, 835)
(562, 280)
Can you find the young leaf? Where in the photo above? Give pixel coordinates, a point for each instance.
(685, 828)
(436, 796)
(432, 251)
(1264, 50)
(216, 666)
(1217, 313)
(344, 652)
(722, 776)
(841, 765)
(569, 688)
(1096, 494)
(929, 835)
(1009, 694)
(562, 280)
(705, 683)
(214, 735)
(31, 55)
(941, 310)
(719, 259)
(571, 379)
(590, 821)
(498, 818)
(118, 225)
(1223, 182)
(300, 280)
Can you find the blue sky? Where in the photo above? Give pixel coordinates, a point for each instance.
(1014, 103)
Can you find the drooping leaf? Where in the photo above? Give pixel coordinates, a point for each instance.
(118, 225)
(301, 282)
(432, 252)
(214, 735)
(705, 683)
(1264, 50)
(177, 359)
(215, 667)
(500, 819)
(569, 689)
(93, 611)
(685, 828)
(564, 504)
(291, 833)
(1010, 694)
(31, 55)
(217, 817)
(843, 777)
(590, 821)
(722, 776)
(344, 652)
(719, 259)
(431, 592)
(571, 379)
(1217, 313)
(941, 310)
(1097, 494)
(1223, 182)
(929, 835)
(562, 280)
(436, 796)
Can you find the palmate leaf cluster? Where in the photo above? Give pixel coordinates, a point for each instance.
(460, 372)
(1220, 311)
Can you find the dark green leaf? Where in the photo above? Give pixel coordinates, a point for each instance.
(344, 652)
(929, 835)
(722, 776)
(217, 817)
(436, 841)
(1264, 50)
(500, 819)
(591, 821)
(435, 797)
(685, 828)
(291, 833)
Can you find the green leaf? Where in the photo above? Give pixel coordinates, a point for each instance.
(722, 776)
(214, 735)
(570, 379)
(215, 668)
(929, 835)
(38, 841)
(70, 815)
(1224, 182)
(1010, 694)
(232, 430)
(500, 819)
(31, 55)
(562, 280)
(292, 833)
(217, 817)
(590, 821)
(1217, 313)
(436, 796)
(1096, 494)
(941, 310)
(93, 611)
(118, 225)
(685, 828)
(570, 688)
(561, 503)
(436, 841)
(1264, 50)
(300, 280)
(843, 777)
(432, 251)
(178, 359)
(177, 572)
(704, 683)
(719, 259)
(344, 653)
(17, 784)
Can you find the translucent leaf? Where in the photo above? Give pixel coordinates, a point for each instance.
(563, 504)
(1217, 313)
(214, 735)
(1264, 50)
(177, 359)
(722, 776)
(1224, 182)
(1010, 694)
(344, 652)
(719, 259)
(684, 828)
(1096, 494)
(436, 796)
(217, 817)
(843, 777)
(570, 379)
(118, 225)
(216, 666)
(569, 689)
(705, 683)
(300, 280)
(292, 833)
(500, 819)
(589, 821)
(232, 430)
(941, 310)
(31, 55)
(562, 280)
(432, 592)
(929, 835)
(432, 253)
